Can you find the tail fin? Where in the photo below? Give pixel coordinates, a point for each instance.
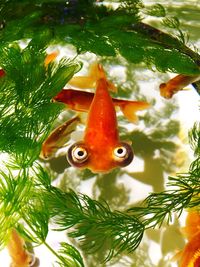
(130, 108)
(83, 82)
(95, 73)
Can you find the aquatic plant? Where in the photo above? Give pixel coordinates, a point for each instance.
(29, 201)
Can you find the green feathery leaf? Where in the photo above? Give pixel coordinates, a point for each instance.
(194, 136)
(27, 88)
(95, 224)
(70, 256)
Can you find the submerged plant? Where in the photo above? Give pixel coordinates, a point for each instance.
(30, 203)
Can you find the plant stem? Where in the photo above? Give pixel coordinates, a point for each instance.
(44, 242)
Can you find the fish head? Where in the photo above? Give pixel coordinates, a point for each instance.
(101, 158)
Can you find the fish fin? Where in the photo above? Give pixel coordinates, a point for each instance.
(184, 230)
(130, 108)
(177, 256)
(83, 82)
(100, 74)
(88, 81)
(112, 87)
(16, 247)
(82, 118)
(58, 138)
(186, 89)
(2, 72)
(51, 57)
(96, 72)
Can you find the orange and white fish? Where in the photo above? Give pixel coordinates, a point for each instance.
(190, 255)
(167, 90)
(18, 253)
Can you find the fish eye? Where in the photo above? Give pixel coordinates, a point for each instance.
(120, 152)
(32, 260)
(77, 154)
(123, 154)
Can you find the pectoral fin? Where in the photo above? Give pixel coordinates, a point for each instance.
(58, 138)
(130, 108)
(177, 256)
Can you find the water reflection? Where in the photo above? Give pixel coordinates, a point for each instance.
(107, 188)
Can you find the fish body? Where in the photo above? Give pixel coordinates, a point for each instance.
(167, 90)
(58, 138)
(81, 100)
(190, 255)
(19, 255)
(192, 224)
(101, 149)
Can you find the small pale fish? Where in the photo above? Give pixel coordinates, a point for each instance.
(179, 82)
(58, 138)
(18, 253)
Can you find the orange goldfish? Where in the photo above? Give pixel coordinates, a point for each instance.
(19, 255)
(190, 255)
(101, 149)
(80, 101)
(50, 57)
(167, 90)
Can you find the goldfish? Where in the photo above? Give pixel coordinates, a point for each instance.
(167, 90)
(101, 149)
(80, 101)
(19, 255)
(50, 57)
(89, 81)
(190, 255)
